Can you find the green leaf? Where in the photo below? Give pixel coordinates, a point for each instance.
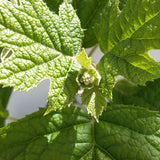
(125, 87)
(108, 74)
(122, 4)
(15, 1)
(123, 132)
(95, 101)
(59, 135)
(33, 23)
(146, 96)
(4, 97)
(41, 42)
(83, 60)
(88, 76)
(54, 5)
(127, 38)
(3, 114)
(89, 13)
(107, 18)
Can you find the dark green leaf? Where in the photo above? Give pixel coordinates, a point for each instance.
(4, 97)
(89, 13)
(146, 96)
(123, 133)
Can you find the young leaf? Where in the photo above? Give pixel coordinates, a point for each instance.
(95, 101)
(127, 38)
(123, 132)
(146, 96)
(88, 76)
(42, 43)
(83, 60)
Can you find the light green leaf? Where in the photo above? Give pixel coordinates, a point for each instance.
(127, 38)
(15, 1)
(32, 23)
(88, 76)
(147, 96)
(41, 42)
(123, 132)
(95, 101)
(83, 60)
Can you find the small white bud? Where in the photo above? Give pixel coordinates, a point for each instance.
(87, 79)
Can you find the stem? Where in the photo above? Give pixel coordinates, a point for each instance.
(12, 118)
(92, 51)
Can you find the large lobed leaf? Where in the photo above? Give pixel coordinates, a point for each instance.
(123, 132)
(126, 40)
(42, 44)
